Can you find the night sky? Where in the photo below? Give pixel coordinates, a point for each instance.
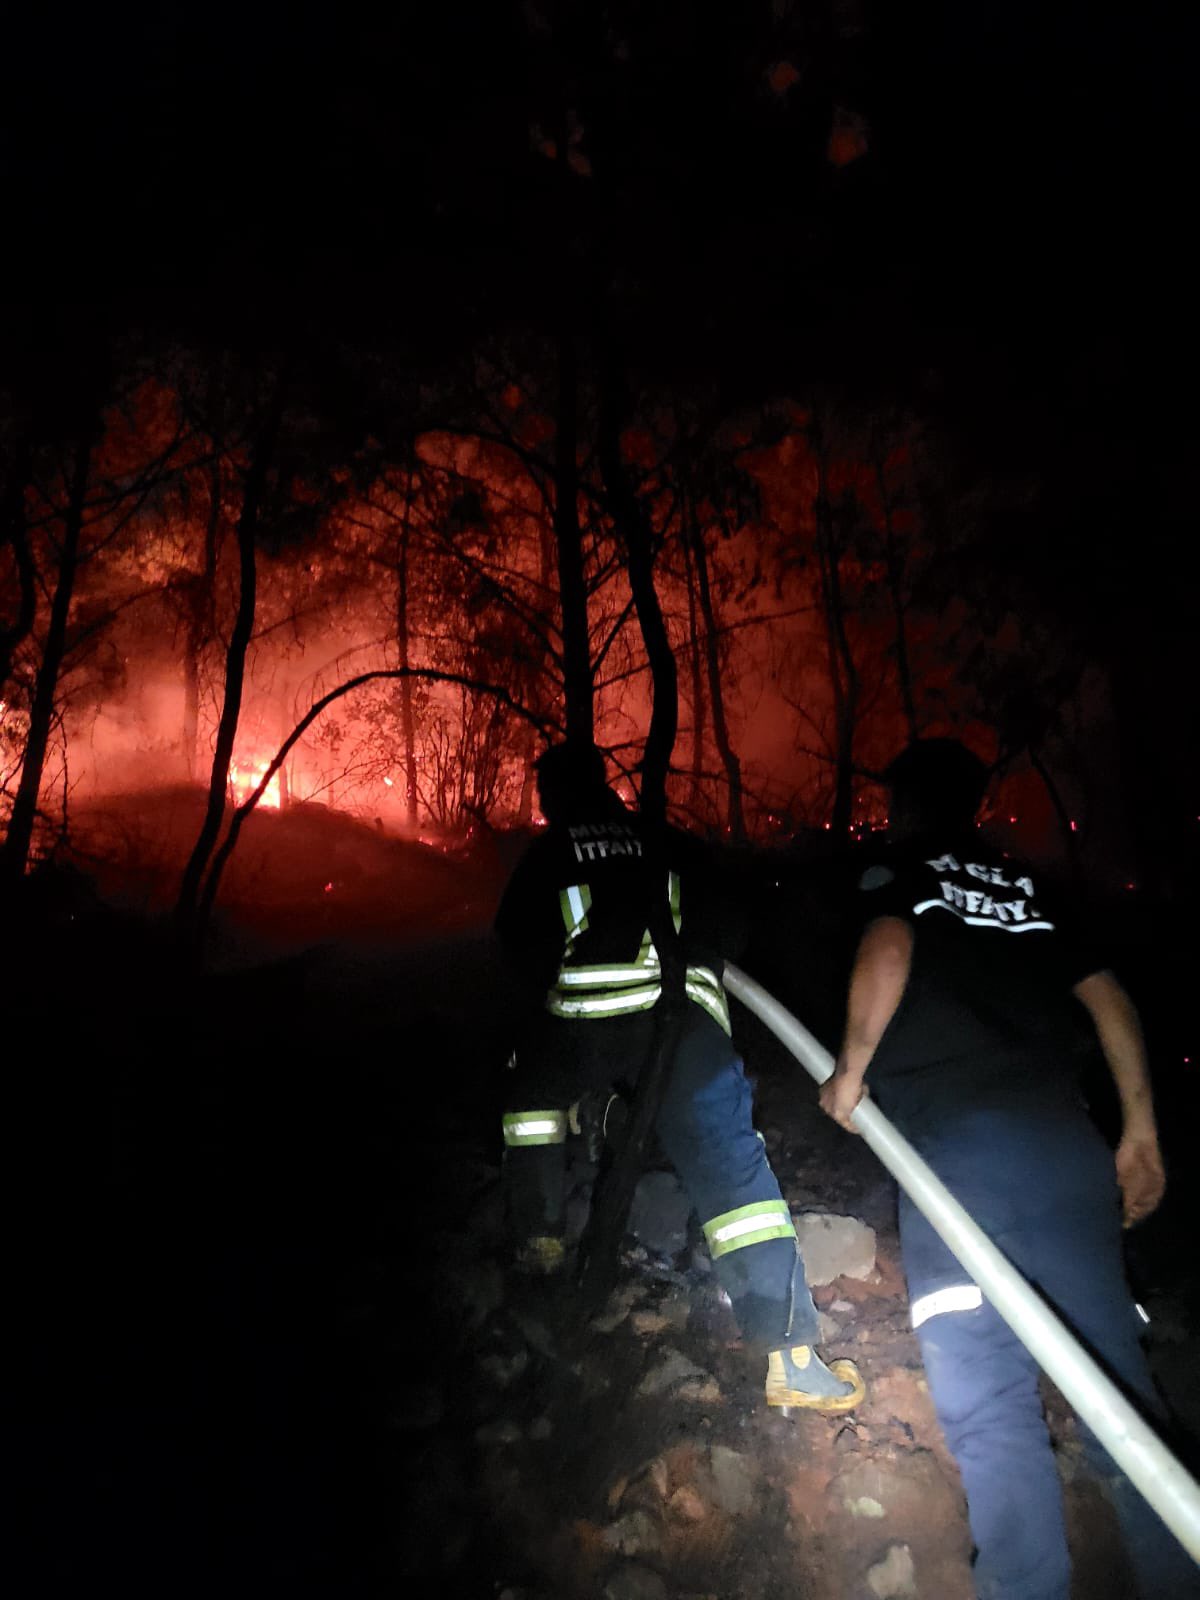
(1019, 216)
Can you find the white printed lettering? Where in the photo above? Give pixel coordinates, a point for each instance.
(946, 863)
(987, 874)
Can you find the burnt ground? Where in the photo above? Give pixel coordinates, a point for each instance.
(266, 1341)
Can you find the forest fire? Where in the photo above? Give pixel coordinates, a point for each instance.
(804, 659)
(245, 777)
(747, 392)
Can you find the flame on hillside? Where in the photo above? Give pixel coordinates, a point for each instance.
(246, 775)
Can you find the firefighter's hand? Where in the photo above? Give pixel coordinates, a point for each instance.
(840, 1094)
(1140, 1175)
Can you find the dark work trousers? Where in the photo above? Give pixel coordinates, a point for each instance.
(1043, 1186)
(706, 1132)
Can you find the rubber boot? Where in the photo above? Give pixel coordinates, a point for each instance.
(542, 1256)
(796, 1376)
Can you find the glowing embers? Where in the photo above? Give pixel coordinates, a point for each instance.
(244, 779)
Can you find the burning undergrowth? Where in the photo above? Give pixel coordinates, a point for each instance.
(307, 872)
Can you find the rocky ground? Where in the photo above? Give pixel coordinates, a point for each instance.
(635, 1460)
(267, 1341)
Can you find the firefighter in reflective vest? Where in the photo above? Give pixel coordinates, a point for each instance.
(970, 1003)
(574, 923)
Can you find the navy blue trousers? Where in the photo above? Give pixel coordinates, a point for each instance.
(1044, 1189)
(706, 1131)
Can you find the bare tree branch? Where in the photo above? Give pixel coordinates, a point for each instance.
(222, 855)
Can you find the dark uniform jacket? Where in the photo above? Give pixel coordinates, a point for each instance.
(577, 916)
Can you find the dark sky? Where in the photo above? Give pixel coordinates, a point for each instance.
(1027, 173)
(1011, 255)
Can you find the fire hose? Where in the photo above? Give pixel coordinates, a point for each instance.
(1133, 1445)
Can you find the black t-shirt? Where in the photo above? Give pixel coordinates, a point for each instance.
(987, 1019)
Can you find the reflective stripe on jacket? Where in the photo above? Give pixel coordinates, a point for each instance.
(619, 988)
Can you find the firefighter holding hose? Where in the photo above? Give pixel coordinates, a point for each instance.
(582, 921)
(971, 1005)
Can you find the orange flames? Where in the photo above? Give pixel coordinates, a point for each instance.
(246, 775)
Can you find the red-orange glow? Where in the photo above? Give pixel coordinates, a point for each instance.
(782, 76)
(245, 777)
(161, 733)
(848, 138)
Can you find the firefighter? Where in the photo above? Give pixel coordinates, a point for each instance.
(575, 922)
(969, 1003)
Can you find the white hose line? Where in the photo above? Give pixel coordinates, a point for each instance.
(1135, 1447)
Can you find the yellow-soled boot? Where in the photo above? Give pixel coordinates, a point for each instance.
(796, 1376)
(542, 1256)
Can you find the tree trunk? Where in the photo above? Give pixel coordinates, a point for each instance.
(14, 854)
(843, 673)
(735, 815)
(408, 728)
(186, 920)
(190, 737)
(631, 521)
(528, 736)
(696, 664)
(286, 717)
(13, 533)
(200, 625)
(895, 568)
(577, 663)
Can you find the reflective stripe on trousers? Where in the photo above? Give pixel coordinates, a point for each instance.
(534, 1127)
(956, 1297)
(752, 1224)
